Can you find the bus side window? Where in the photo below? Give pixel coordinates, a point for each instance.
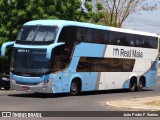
(139, 41)
(125, 39)
(111, 37)
(146, 42)
(81, 34)
(62, 37)
(68, 36)
(153, 42)
(115, 38)
(98, 36)
(89, 35)
(132, 43)
(56, 58)
(106, 37)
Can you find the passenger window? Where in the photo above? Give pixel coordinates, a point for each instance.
(89, 35)
(98, 36)
(153, 41)
(92, 64)
(81, 34)
(106, 37)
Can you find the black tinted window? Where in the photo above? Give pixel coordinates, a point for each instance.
(62, 54)
(37, 33)
(124, 39)
(153, 42)
(93, 64)
(92, 35)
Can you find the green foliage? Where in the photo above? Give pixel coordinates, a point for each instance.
(88, 6)
(14, 13)
(99, 6)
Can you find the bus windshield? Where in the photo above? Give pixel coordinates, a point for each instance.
(37, 33)
(29, 61)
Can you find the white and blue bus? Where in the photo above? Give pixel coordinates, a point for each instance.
(58, 56)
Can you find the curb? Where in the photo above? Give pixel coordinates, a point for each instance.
(136, 103)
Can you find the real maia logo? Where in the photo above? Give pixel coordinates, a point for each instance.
(127, 53)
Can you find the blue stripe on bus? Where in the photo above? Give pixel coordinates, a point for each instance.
(89, 50)
(151, 78)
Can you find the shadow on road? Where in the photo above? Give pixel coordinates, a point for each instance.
(58, 95)
(111, 92)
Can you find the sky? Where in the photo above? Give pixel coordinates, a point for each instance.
(147, 21)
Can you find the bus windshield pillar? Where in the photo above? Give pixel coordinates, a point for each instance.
(3, 48)
(51, 47)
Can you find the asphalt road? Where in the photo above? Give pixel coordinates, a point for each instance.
(88, 101)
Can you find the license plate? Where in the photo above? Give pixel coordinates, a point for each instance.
(25, 88)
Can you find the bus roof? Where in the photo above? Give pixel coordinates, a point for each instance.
(61, 23)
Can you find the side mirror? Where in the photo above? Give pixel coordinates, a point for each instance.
(51, 47)
(3, 48)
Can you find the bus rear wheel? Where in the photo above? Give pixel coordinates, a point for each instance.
(75, 88)
(132, 85)
(141, 84)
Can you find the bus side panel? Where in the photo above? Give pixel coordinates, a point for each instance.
(152, 75)
(89, 50)
(151, 79)
(68, 77)
(56, 83)
(120, 79)
(89, 79)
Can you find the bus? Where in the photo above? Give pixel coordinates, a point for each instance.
(58, 56)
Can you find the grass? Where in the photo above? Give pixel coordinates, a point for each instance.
(153, 103)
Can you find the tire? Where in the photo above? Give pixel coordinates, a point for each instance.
(132, 86)
(140, 86)
(7, 88)
(75, 88)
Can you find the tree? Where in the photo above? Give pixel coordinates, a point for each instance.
(92, 10)
(14, 13)
(116, 11)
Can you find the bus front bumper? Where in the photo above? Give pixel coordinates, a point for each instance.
(42, 88)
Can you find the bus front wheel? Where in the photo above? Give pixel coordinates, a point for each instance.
(75, 88)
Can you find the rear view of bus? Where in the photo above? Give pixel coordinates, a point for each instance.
(56, 56)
